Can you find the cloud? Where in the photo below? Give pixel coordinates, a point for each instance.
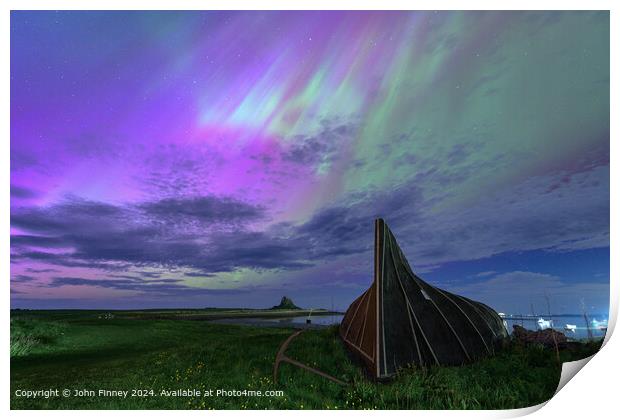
(159, 287)
(21, 278)
(38, 241)
(515, 291)
(208, 209)
(346, 228)
(22, 192)
(41, 270)
(528, 216)
(197, 274)
(208, 235)
(149, 274)
(66, 260)
(255, 250)
(73, 215)
(484, 274)
(323, 148)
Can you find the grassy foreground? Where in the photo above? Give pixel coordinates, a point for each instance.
(77, 350)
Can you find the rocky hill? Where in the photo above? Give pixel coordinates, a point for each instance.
(286, 303)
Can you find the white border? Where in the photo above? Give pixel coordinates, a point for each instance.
(592, 395)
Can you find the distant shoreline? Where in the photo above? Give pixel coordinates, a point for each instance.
(205, 314)
(230, 314)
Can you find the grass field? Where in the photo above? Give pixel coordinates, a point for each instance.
(78, 350)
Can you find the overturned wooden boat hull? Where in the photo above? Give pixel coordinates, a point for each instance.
(402, 320)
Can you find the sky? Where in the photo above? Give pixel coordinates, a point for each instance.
(199, 159)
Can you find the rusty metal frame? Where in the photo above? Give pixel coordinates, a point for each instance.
(281, 357)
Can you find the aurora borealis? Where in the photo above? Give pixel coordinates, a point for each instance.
(189, 159)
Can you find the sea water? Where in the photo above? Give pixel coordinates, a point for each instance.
(531, 324)
(323, 320)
